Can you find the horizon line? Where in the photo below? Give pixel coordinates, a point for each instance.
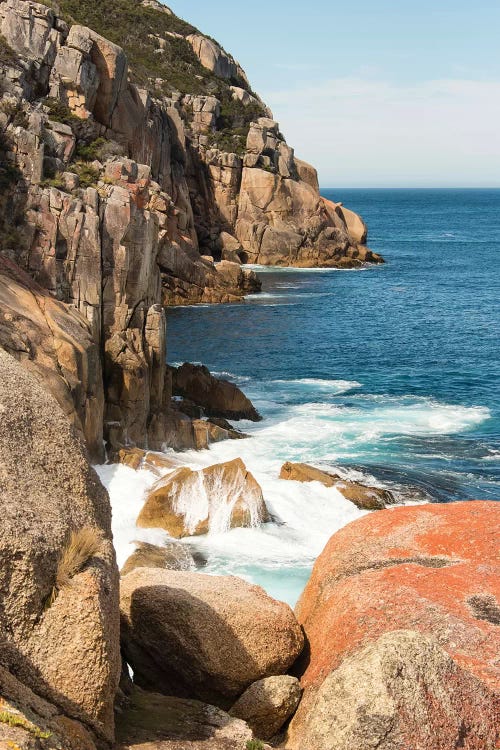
(410, 187)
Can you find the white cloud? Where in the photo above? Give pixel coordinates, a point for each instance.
(360, 131)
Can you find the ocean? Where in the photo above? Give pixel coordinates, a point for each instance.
(388, 374)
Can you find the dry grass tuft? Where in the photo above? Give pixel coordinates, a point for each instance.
(83, 544)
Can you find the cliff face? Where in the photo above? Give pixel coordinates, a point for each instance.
(127, 186)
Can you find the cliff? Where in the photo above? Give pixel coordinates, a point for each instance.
(134, 177)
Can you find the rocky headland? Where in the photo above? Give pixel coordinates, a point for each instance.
(138, 170)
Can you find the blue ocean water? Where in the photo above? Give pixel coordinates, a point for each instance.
(389, 375)
(420, 335)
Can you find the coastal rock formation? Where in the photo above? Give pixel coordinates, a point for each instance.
(217, 397)
(127, 187)
(219, 497)
(431, 569)
(363, 496)
(58, 577)
(166, 615)
(54, 341)
(172, 556)
(169, 723)
(267, 704)
(403, 690)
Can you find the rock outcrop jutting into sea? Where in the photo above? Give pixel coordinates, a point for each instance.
(132, 178)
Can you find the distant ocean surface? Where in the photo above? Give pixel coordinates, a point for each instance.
(390, 373)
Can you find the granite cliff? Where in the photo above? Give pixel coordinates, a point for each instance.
(138, 169)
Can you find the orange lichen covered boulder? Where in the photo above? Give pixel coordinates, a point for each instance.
(431, 570)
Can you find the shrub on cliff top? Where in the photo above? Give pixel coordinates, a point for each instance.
(137, 29)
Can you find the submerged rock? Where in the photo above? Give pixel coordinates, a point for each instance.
(431, 569)
(218, 398)
(172, 556)
(362, 495)
(205, 637)
(219, 497)
(268, 704)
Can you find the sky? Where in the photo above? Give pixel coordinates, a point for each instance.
(373, 93)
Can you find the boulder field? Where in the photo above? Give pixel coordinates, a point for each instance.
(394, 643)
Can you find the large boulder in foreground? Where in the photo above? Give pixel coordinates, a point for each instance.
(432, 569)
(59, 619)
(219, 497)
(268, 704)
(401, 691)
(205, 637)
(362, 495)
(218, 398)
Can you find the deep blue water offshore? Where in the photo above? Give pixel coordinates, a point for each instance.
(390, 374)
(420, 335)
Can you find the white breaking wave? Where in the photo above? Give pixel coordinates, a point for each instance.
(338, 386)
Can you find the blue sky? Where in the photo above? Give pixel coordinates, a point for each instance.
(373, 93)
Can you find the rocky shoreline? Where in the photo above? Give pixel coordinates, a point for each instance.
(133, 178)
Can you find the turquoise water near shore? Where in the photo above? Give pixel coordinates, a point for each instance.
(389, 375)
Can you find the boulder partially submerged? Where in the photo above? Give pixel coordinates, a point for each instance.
(219, 497)
(218, 397)
(204, 637)
(171, 556)
(363, 496)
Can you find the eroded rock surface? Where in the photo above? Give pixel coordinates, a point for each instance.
(219, 497)
(167, 615)
(362, 495)
(431, 569)
(403, 690)
(60, 640)
(268, 704)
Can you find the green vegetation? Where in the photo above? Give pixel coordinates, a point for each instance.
(9, 173)
(56, 182)
(87, 174)
(16, 720)
(254, 745)
(100, 149)
(137, 29)
(234, 123)
(60, 112)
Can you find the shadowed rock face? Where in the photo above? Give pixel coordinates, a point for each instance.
(178, 724)
(432, 569)
(65, 648)
(217, 397)
(206, 637)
